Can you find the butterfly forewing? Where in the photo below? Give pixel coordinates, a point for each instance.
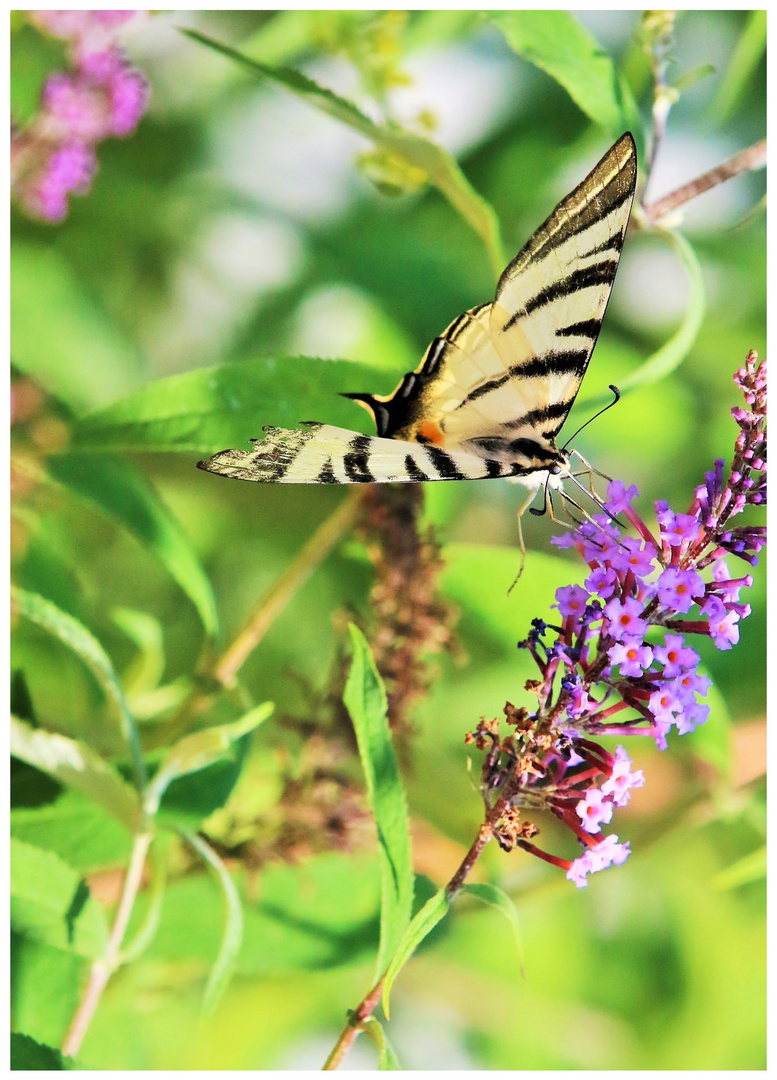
(494, 389)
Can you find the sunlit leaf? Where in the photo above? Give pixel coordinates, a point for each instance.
(206, 410)
(76, 637)
(124, 493)
(751, 867)
(197, 751)
(387, 1059)
(421, 926)
(560, 45)
(224, 965)
(51, 903)
(365, 699)
(75, 764)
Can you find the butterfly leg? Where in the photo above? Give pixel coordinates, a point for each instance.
(521, 511)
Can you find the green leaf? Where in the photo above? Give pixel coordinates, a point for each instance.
(197, 751)
(77, 765)
(560, 45)
(387, 1059)
(669, 357)
(749, 868)
(422, 925)
(442, 170)
(50, 902)
(496, 897)
(207, 410)
(745, 58)
(145, 631)
(32, 1056)
(224, 966)
(301, 920)
(77, 829)
(118, 489)
(61, 337)
(76, 637)
(365, 700)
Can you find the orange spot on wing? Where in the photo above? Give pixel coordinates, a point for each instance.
(430, 430)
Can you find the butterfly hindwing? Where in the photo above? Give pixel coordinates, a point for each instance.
(323, 454)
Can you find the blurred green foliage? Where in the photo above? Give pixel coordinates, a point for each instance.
(236, 239)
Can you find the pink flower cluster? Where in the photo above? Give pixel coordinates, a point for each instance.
(101, 96)
(618, 664)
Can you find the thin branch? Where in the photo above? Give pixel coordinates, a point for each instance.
(363, 1011)
(754, 157)
(291, 580)
(103, 968)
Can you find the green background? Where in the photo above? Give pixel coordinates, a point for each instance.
(237, 227)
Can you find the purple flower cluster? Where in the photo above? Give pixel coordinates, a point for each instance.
(54, 156)
(621, 648)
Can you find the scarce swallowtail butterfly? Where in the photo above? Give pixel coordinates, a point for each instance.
(493, 390)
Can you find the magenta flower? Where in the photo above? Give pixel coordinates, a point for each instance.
(675, 656)
(634, 555)
(54, 157)
(572, 600)
(551, 759)
(631, 656)
(678, 588)
(622, 779)
(722, 623)
(602, 580)
(625, 618)
(594, 811)
(619, 497)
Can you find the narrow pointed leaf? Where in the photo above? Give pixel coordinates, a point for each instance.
(232, 939)
(560, 45)
(200, 749)
(206, 410)
(424, 922)
(79, 640)
(387, 1059)
(442, 169)
(75, 764)
(365, 699)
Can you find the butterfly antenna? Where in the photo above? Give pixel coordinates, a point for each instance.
(603, 410)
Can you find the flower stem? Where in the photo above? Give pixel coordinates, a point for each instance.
(103, 968)
(364, 1010)
(754, 157)
(291, 580)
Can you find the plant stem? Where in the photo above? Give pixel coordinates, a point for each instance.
(226, 667)
(364, 1010)
(355, 1024)
(754, 157)
(291, 580)
(103, 968)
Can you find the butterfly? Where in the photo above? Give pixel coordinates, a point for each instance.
(494, 389)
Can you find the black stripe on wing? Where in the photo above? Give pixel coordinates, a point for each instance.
(570, 362)
(602, 273)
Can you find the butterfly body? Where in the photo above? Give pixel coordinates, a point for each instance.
(494, 389)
